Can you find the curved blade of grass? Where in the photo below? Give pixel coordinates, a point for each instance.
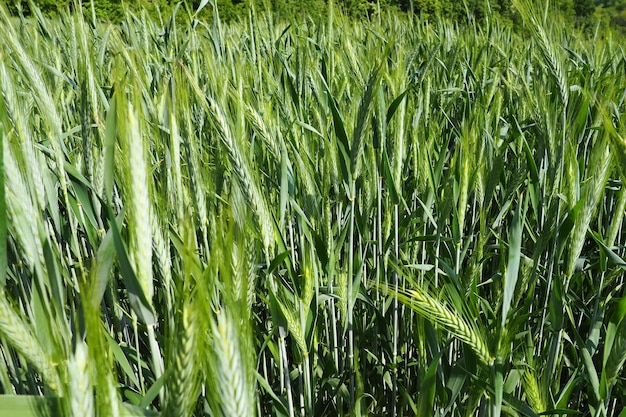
(395, 104)
(122, 360)
(614, 354)
(512, 270)
(356, 149)
(564, 396)
(103, 264)
(427, 388)
(136, 296)
(608, 252)
(342, 142)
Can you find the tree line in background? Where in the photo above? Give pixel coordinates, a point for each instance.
(583, 11)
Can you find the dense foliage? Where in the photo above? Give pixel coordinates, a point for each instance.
(231, 9)
(394, 216)
(580, 13)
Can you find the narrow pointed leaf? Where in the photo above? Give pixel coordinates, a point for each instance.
(512, 271)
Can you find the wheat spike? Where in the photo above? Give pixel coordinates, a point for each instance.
(231, 369)
(19, 119)
(139, 214)
(182, 384)
(22, 212)
(81, 392)
(241, 168)
(24, 342)
(531, 388)
(599, 164)
(436, 311)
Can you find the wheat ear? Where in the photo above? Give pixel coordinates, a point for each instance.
(235, 394)
(433, 309)
(81, 392)
(182, 384)
(21, 338)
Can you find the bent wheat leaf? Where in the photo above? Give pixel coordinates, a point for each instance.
(512, 270)
(138, 300)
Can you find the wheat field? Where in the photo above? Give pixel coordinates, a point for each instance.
(383, 217)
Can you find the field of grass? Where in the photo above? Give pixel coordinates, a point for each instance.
(335, 218)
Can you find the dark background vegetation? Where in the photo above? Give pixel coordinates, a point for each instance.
(585, 12)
